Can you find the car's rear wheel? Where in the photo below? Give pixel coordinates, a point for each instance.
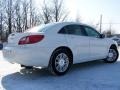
(112, 55)
(60, 62)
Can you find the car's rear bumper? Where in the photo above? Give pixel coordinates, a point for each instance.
(26, 56)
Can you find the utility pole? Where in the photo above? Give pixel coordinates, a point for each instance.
(101, 23)
(110, 28)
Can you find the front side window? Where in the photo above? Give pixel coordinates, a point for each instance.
(91, 32)
(73, 30)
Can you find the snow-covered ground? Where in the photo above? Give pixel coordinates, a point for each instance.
(94, 75)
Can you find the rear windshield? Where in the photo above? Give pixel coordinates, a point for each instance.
(40, 28)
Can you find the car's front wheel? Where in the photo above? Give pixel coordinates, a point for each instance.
(112, 55)
(60, 63)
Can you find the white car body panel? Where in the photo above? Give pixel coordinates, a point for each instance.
(98, 48)
(80, 47)
(83, 48)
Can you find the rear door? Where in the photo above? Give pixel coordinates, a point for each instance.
(78, 42)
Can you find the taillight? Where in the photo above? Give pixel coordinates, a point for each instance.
(31, 39)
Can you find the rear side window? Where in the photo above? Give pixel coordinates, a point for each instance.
(72, 30)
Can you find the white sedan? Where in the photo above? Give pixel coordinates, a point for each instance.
(58, 46)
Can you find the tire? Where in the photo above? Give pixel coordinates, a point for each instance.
(60, 62)
(112, 56)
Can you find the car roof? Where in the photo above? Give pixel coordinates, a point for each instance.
(65, 23)
(53, 27)
(56, 26)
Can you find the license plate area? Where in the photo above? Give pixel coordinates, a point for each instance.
(8, 53)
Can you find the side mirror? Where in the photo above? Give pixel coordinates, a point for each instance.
(102, 36)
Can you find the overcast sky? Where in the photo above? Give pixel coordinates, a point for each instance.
(90, 11)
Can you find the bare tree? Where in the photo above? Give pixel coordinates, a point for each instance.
(55, 12)
(25, 14)
(34, 18)
(1, 20)
(17, 17)
(32, 9)
(58, 11)
(6, 16)
(46, 13)
(9, 13)
(1, 26)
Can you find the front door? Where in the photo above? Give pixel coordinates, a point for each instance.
(98, 46)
